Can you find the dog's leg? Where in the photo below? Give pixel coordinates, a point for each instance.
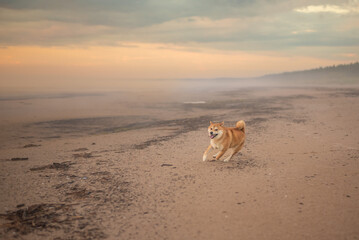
(215, 155)
(234, 151)
(237, 149)
(220, 153)
(229, 157)
(205, 153)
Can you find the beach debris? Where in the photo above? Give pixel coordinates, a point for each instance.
(166, 165)
(38, 216)
(60, 185)
(63, 166)
(78, 193)
(101, 173)
(80, 149)
(55, 136)
(19, 159)
(82, 155)
(31, 145)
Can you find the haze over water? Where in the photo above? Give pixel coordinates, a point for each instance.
(84, 59)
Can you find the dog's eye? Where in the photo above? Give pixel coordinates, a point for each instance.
(215, 129)
(211, 128)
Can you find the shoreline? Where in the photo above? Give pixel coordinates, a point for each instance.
(294, 178)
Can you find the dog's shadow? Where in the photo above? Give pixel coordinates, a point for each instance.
(240, 161)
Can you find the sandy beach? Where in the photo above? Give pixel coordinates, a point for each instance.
(129, 166)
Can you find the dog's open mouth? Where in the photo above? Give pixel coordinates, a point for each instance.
(213, 136)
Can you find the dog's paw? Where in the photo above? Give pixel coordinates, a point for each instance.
(226, 160)
(204, 158)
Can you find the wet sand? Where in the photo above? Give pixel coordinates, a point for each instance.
(128, 167)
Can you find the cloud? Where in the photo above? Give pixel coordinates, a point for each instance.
(305, 31)
(327, 9)
(139, 13)
(226, 25)
(349, 55)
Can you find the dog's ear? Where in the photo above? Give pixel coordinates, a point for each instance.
(210, 122)
(221, 124)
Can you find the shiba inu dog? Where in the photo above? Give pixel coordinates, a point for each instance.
(224, 138)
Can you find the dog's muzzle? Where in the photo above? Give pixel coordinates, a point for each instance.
(213, 136)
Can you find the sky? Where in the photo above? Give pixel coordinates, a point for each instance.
(79, 43)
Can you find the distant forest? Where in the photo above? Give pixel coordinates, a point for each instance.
(343, 73)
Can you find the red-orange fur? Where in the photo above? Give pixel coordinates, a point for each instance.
(226, 138)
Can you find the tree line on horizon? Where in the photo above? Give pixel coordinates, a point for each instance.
(348, 73)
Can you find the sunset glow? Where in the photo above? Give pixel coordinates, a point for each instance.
(45, 45)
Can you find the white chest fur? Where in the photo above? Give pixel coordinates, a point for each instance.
(216, 145)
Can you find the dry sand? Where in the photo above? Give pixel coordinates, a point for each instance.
(128, 168)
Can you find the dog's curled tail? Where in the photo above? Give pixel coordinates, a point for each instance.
(241, 125)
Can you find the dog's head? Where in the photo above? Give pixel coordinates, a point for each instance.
(215, 130)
